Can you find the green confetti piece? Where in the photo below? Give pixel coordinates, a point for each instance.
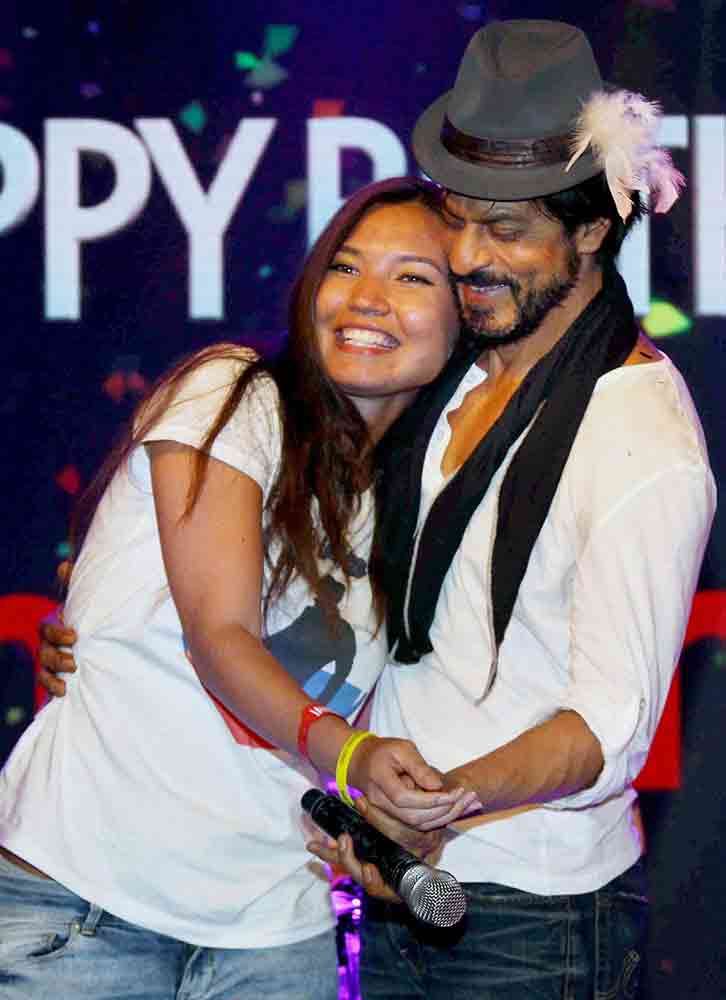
(279, 38)
(665, 320)
(296, 193)
(63, 550)
(265, 271)
(265, 75)
(194, 117)
(15, 715)
(245, 60)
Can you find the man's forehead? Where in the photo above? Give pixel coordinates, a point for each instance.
(486, 210)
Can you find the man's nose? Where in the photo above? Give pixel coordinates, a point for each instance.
(469, 251)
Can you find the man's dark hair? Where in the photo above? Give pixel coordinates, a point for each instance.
(586, 202)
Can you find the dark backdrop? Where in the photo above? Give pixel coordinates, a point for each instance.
(66, 384)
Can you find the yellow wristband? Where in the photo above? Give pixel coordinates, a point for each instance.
(344, 758)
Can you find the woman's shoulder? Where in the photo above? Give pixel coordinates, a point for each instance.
(214, 371)
(216, 367)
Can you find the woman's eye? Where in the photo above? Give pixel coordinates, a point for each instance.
(341, 267)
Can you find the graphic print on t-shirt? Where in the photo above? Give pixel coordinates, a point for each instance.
(305, 648)
(311, 642)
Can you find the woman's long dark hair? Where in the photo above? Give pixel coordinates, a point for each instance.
(326, 449)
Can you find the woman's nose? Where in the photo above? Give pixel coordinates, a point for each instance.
(368, 296)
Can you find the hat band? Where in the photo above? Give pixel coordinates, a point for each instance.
(505, 152)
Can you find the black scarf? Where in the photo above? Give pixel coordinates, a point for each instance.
(600, 339)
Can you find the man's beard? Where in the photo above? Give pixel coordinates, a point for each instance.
(531, 309)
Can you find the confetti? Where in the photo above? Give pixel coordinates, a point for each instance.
(90, 90)
(15, 715)
(94, 27)
(6, 59)
(265, 271)
(665, 320)
(471, 11)
(246, 60)
(115, 386)
(279, 38)
(327, 108)
(136, 383)
(257, 97)
(63, 550)
(266, 74)
(296, 193)
(194, 117)
(29, 32)
(69, 479)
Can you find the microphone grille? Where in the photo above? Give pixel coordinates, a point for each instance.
(433, 896)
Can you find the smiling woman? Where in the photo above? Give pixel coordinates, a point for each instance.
(227, 554)
(375, 305)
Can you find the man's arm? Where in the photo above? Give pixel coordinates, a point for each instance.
(557, 758)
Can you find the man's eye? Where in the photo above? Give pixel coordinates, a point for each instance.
(415, 279)
(453, 221)
(506, 235)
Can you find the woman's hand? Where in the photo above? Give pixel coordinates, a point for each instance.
(341, 852)
(396, 779)
(53, 659)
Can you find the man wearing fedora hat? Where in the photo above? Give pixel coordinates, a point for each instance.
(544, 515)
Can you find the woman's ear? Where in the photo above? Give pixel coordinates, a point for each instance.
(590, 235)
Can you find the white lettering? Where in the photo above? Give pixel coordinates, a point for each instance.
(20, 174)
(326, 138)
(634, 260)
(206, 216)
(67, 222)
(709, 215)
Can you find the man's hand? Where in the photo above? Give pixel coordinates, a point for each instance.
(54, 660)
(341, 853)
(398, 781)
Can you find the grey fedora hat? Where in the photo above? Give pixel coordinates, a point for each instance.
(505, 130)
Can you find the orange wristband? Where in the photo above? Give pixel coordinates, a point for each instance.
(310, 714)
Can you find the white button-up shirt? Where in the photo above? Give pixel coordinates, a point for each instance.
(597, 627)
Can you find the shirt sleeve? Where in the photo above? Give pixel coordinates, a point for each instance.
(632, 592)
(250, 441)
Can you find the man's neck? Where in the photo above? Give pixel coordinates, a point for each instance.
(513, 361)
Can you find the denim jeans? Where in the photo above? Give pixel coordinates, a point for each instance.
(512, 945)
(55, 945)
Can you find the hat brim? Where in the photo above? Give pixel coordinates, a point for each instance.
(478, 181)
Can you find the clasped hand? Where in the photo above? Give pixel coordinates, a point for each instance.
(412, 806)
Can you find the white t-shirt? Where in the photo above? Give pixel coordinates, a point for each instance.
(131, 790)
(597, 627)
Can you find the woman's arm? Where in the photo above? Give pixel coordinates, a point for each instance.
(214, 563)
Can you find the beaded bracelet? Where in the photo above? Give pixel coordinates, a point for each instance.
(344, 758)
(310, 714)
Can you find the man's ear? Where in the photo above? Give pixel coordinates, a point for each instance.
(590, 235)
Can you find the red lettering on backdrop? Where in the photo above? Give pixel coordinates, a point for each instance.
(663, 767)
(20, 616)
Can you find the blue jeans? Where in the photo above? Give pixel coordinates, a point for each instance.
(512, 945)
(55, 945)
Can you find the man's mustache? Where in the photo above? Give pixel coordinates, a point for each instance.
(481, 279)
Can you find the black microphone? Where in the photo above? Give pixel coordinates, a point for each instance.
(432, 895)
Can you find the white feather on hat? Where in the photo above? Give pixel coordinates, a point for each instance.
(621, 128)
